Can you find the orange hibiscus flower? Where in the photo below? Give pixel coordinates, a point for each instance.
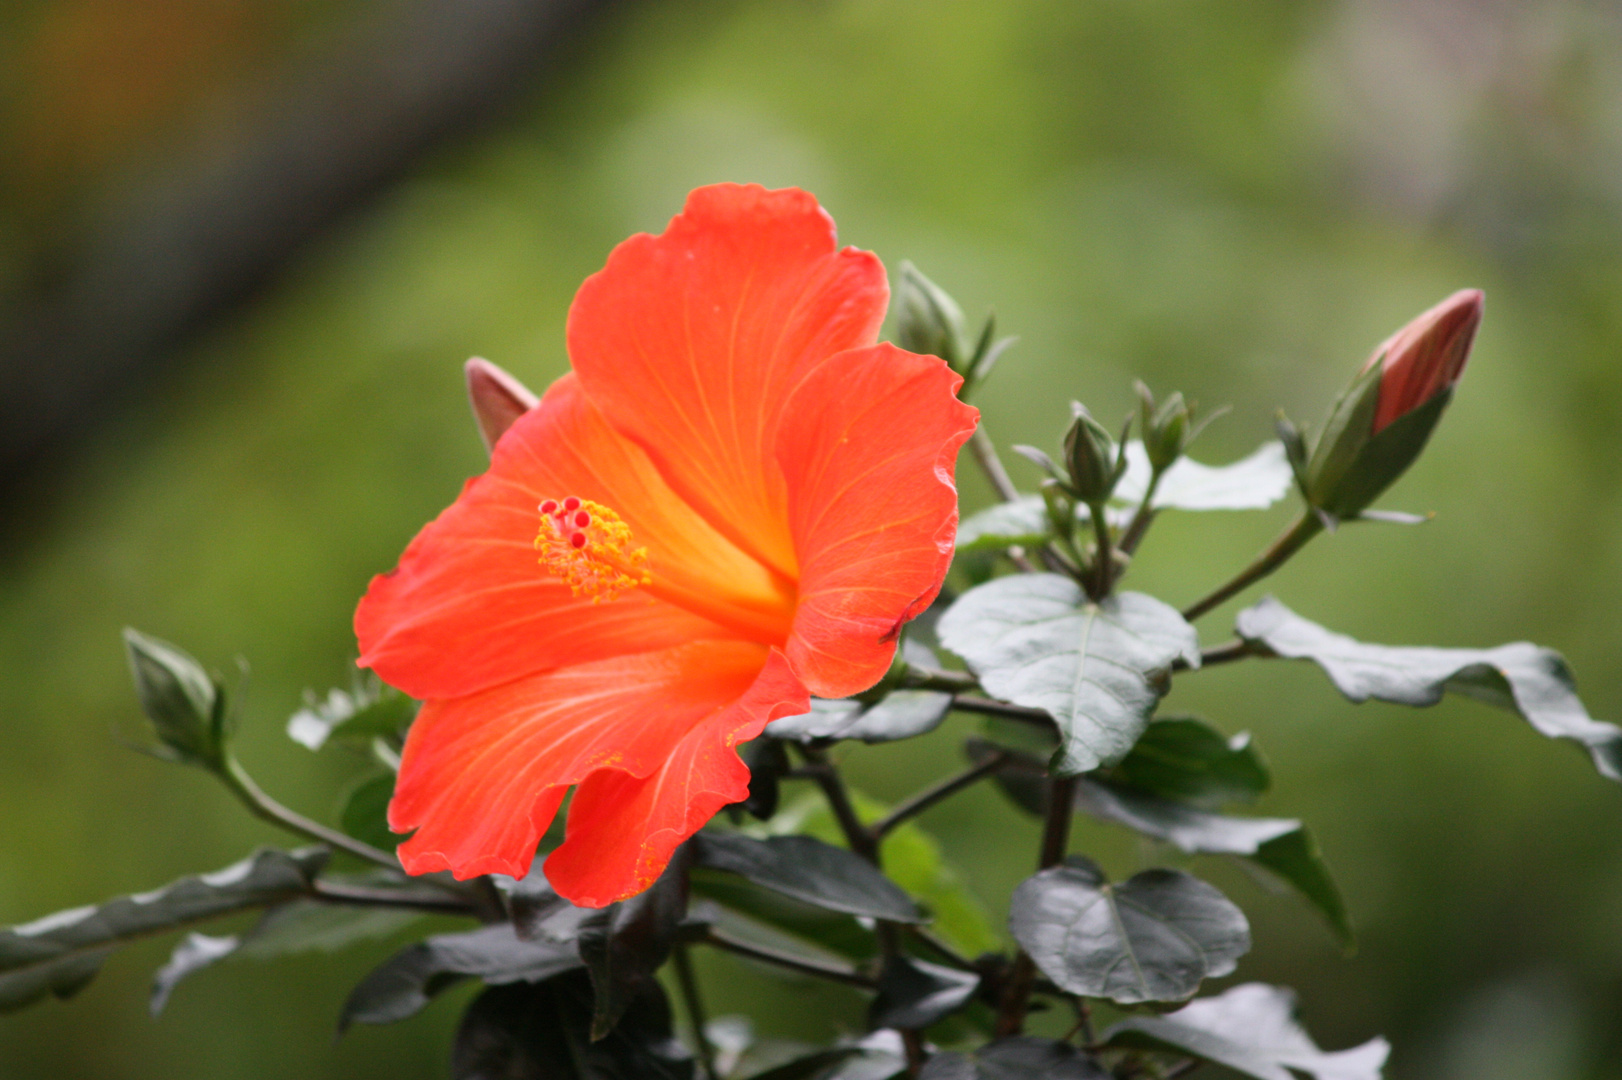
(734, 501)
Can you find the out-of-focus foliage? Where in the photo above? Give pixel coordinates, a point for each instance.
(1236, 201)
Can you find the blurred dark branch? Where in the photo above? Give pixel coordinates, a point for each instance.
(240, 203)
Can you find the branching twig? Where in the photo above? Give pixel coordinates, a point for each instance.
(263, 806)
(363, 896)
(1291, 540)
(695, 1010)
(933, 794)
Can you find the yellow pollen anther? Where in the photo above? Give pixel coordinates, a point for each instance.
(588, 546)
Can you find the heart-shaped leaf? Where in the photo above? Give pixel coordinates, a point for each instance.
(1251, 1029)
(1154, 937)
(1099, 668)
(626, 942)
(901, 714)
(1185, 758)
(1523, 678)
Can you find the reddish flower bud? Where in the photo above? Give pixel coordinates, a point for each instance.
(1426, 356)
(498, 399)
(1380, 423)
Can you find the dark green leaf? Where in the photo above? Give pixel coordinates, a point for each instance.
(626, 942)
(915, 994)
(404, 983)
(1023, 521)
(808, 870)
(294, 927)
(365, 814)
(825, 721)
(192, 954)
(1151, 938)
(1520, 677)
(810, 1067)
(60, 953)
(1022, 1057)
(540, 1032)
(1251, 1029)
(836, 932)
(1282, 845)
(538, 911)
(371, 710)
(185, 705)
(1099, 669)
(1251, 483)
(1185, 758)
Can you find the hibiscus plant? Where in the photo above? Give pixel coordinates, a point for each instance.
(705, 564)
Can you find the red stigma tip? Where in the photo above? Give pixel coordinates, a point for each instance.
(550, 506)
(582, 519)
(577, 541)
(571, 503)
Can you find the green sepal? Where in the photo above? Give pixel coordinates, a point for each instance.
(186, 705)
(929, 321)
(1343, 437)
(1382, 459)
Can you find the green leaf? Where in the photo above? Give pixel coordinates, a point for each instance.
(766, 911)
(808, 870)
(403, 984)
(902, 714)
(1282, 845)
(1099, 669)
(293, 927)
(1251, 483)
(193, 953)
(1023, 521)
(1154, 937)
(1520, 677)
(372, 710)
(878, 1056)
(186, 706)
(626, 942)
(915, 994)
(540, 1031)
(1022, 1057)
(1185, 758)
(60, 953)
(814, 1066)
(1250, 1029)
(365, 814)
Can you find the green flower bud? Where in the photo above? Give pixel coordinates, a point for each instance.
(185, 705)
(929, 321)
(1094, 460)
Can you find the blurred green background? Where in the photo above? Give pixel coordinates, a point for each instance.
(1237, 200)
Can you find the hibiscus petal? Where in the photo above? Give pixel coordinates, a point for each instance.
(482, 776)
(471, 607)
(868, 448)
(623, 828)
(690, 343)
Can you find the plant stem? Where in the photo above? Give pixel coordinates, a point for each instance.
(695, 1010)
(1226, 653)
(263, 806)
(861, 841)
(1278, 552)
(933, 794)
(988, 707)
(925, 678)
(1142, 518)
(945, 951)
(816, 969)
(985, 454)
(1104, 562)
(1016, 995)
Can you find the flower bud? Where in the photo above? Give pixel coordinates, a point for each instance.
(1165, 428)
(1092, 457)
(498, 399)
(186, 707)
(928, 321)
(1381, 421)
